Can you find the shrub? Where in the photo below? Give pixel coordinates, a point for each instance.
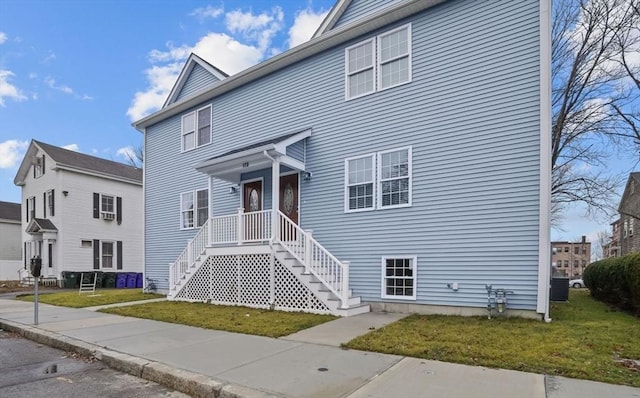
(616, 281)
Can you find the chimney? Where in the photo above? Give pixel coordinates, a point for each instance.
(584, 239)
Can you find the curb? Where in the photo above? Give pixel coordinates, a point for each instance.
(193, 384)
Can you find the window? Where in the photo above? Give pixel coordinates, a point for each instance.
(394, 176)
(631, 227)
(360, 69)
(625, 228)
(106, 204)
(399, 277)
(566, 263)
(107, 254)
(378, 181)
(378, 63)
(31, 208)
(360, 181)
(196, 129)
(194, 208)
(50, 203)
(85, 243)
(576, 250)
(393, 58)
(584, 263)
(38, 167)
(566, 249)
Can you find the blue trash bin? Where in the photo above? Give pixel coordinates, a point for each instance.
(121, 281)
(131, 280)
(139, 283)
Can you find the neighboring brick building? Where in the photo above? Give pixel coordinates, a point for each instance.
(570, 258)
(629, 210)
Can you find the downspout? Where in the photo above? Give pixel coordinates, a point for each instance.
(272, 272)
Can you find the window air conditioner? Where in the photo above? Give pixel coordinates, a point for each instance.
(108, 216)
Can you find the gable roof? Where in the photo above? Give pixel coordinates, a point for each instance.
(10, 211)
(332, 17)
(39, 225)
(191, 63)
(628, 207)
(79, 162)
(328, 40)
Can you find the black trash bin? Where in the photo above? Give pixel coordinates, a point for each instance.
(560, 288)
(109, 280)
(70, 280)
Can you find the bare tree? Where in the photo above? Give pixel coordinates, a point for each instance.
(591, 97)
(135, 157)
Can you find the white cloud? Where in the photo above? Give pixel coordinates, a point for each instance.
(221, 50)
(33, 75)
(207, 12)
(8, 90)
(51, 82)
(72, 147)
(126, 152)
(3, 37)
(161, 80)
(259, 28)
(12, 151)
(304, 26)
(49, 57)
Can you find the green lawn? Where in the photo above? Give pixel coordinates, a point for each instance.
(228, 318)
(102, 297)
(585, 340)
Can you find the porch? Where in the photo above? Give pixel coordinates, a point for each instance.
(262, 257)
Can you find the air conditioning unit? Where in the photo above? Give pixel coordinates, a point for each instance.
(108, 216)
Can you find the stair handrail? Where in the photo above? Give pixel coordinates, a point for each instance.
(195, 247)
(315, 257)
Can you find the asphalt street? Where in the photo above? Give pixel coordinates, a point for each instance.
(29, 369)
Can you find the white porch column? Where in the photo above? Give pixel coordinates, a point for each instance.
(45, 257)
(275, 196)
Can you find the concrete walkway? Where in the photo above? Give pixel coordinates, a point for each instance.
(209, 363)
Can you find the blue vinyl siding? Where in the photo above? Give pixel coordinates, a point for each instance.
(360, 8)
(297, 150)
(471, 115)
(198, 79)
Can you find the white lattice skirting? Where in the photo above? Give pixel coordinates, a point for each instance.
(252, 280)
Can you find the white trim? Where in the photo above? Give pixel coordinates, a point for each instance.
(409, 56)
(544, 248)
(261, 179)
(409, 150)
(331, 18)
(114, 255)
(196, 128)
(192, 61)
(377, 63)
(383, 279)
(194, 194)
(348, 73)
(373, 183)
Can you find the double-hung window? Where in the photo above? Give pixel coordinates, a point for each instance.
(194, 208)
(360, 183)
(107, 254)
(196, 128)
(378, 181)
(107, 204)
(378, 63)
(51, 203)
(399, 277)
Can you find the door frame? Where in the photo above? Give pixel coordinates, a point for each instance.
(261, 179)
(288, 173)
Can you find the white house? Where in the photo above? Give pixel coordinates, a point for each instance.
(80, 212)
(10, 241)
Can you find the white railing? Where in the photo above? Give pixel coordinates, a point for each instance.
(258, 227)
(317, 260)
(242, 227)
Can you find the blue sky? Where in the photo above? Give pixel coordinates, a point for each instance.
(76, 73)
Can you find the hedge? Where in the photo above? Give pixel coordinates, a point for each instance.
(616, 281)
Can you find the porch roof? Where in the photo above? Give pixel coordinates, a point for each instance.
(40, 225)
(230, 165)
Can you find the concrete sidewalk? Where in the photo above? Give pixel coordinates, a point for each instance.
(212, 363)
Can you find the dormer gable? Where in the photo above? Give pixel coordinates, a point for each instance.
(346, 11)
(196, 74)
